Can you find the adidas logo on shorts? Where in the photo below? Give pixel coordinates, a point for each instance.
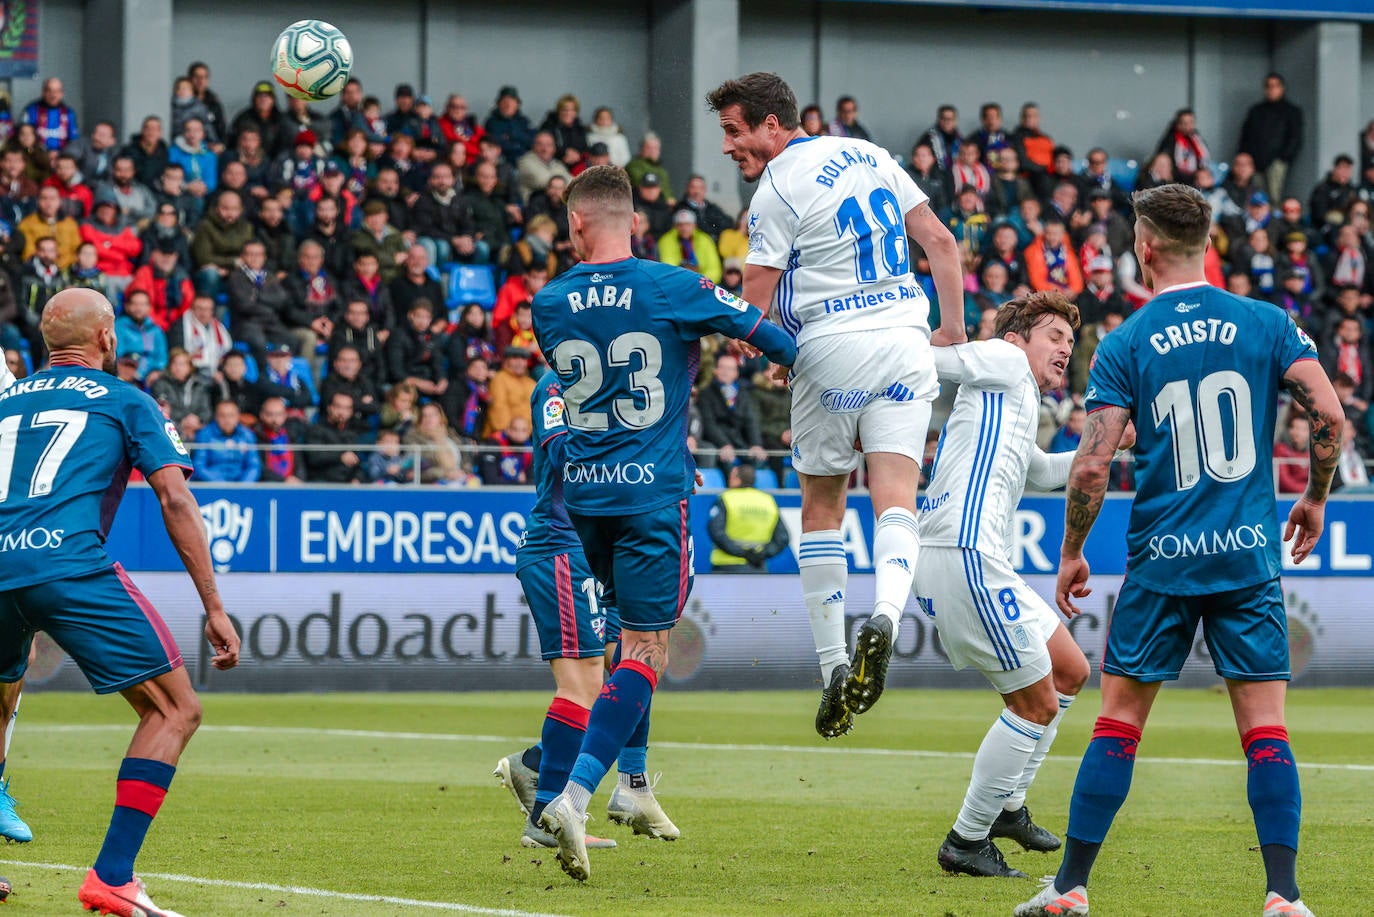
(900, 562)
(837, 597)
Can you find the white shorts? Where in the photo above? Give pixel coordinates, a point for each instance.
(988, 618)
(873, 386)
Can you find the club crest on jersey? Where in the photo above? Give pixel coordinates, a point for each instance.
(730, 299)
(599, 626)
(553, 412)
(175, 437)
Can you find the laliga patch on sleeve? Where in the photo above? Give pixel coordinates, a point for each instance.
(553, 413)
(730, 299)
(1306, 340)
(175, 437)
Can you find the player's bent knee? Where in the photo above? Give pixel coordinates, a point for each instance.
(1036, 703)
(1072, 675)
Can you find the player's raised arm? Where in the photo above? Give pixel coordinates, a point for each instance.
(186, 528)
(704, 307)
(1309, 386)
(942, 251)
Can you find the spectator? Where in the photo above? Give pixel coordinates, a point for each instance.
(460, 127)
(993, 290)
(1068, 436)
(1241, 183)
(513, 463)
(968, 222)
(15, 361)
(1334, 194)
(732, 275)
(1034, 147)
(1255, 257)
(95, 154)
(604, 130)
(991, 137)
(1051, 263)
(1352, 465)
(745, 526)
(569, 134)
(387, 189)
(201, 335)
(11, 332)
(470, 339)
(468, 398)
(710, 218)
(540, 164)
(551, 202)
(648, 163)
(136, 203)
(415, 282)
(216, 124)
(734, 241)
(335, 463)
(52, 118)
(276, 433)
(48, 222)
(538, 245)
(400, 157)
(346, 375)
(77, 196)
(507, 187)
(198, 162)
(37, 159)
(1159, 170)
(1301, 306)
(441, 461)
(813, 121)
(357, 330)
(402, 119)
(1291, 457)
(300, 168)
(487, 205)
(518, 331)
(1008, 188)
(1185, 146)
(167, 284)
(402, 409)
(729, 422)
(643, 243)
(258, 303)
(846, 123)
(969, 171)
(387, 464)
(219, 242)
(139, 336)
(354, 163)
(773, 402)
(184, 394)
(689, 247)
(414, 352)
(231, 382)
(148, 151)
(348, 116)
(282, 378)
(930, 178)
(1272, 134)
(15, 184)
(1298, 259)
(1100, 295)
(1347, 351)
(86, 271)
(171, 188)
(365, 283)
(650, 199)
(330, 233)
(263, 119)
(943, 137)
(508, 126)
(443, 221)
(511, 387)
(1347, 264)
(41, 280)
(315, 301)
(116, 244)
(1119, 233)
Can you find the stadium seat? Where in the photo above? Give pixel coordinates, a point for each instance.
(790, 480)
(251, 375)
(712, 479)
(468, 284)
(765, 479)
(302, 367)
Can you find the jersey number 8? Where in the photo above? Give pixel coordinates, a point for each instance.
(647, 403)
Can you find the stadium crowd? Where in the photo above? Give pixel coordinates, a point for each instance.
(358, 281)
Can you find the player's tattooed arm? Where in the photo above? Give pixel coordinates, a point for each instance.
(649, 647)
(1309, 386)
(1088, 476)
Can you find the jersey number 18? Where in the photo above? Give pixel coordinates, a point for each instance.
(885, 211)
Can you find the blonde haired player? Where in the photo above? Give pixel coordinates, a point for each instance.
(988, 618)
(829, 249)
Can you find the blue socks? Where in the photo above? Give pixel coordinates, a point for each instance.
(139, 791)
(634, 756)
(564, 727)
(617, 713)
(1276, 801)
(1104, 779)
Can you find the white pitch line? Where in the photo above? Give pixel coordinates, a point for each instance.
(683, 746)
(299, 890)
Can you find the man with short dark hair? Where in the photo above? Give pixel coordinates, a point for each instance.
(334, 429)
(846, 123)
(943, 137)
(508, 126)
(94, 154)
(1160, 365)
(442, 220)
(1334, 194)
(540, 164)
(278, 432)
(1272, 134)
(711, 219)
(226, 450)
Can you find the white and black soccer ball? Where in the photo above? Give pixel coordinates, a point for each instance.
(311, 60)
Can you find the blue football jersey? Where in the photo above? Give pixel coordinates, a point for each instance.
(69, 438)
(623, 338)
(1200, 371)
(548, 530)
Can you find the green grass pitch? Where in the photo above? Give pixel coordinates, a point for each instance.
(307, 792)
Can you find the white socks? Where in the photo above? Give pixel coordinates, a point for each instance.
(1042, 748)
(895, 546)
(997, 771)
(824, 573)
(9, 728)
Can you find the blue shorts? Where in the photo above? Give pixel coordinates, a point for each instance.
(565, 602)
(1151, 634)
(101, 620)
(645, 561)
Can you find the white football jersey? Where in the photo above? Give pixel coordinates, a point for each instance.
(6, 377)
(830, 214)
(987, 452)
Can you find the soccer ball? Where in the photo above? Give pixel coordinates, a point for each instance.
(311, 60)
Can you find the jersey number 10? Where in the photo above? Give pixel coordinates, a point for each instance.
(1198, 427)
(885, 211)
